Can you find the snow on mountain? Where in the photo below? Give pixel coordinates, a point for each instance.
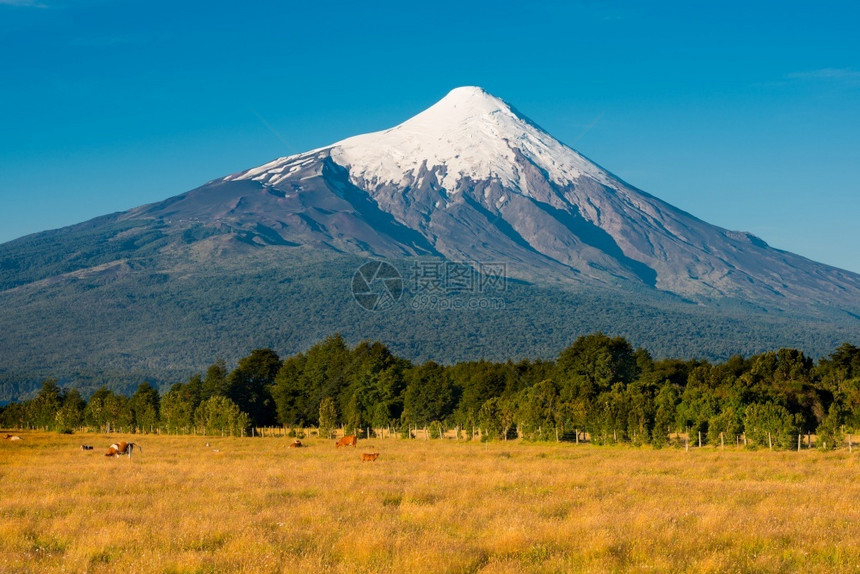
(471, 134)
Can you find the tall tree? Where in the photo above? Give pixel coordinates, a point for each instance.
(96, 414)
(178, 406)
(43, 408)
(665, 413)
(71, 413)
(249, 386)
(595, 362)
(477, 382)
(287, 392)
(327, 417)
(144, 404)
(429, 395)
(538, 412)
(215, 382)
(308, 378)
(374, 384)
(221, 415)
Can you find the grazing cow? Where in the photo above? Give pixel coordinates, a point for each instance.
(297, 444)
(369, 456)
(120, 448)
(348, 440)
(12, 437)
(86, 447)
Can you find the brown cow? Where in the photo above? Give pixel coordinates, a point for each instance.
(297, 444)
(348, 440)
(369, 456)
(122, 447)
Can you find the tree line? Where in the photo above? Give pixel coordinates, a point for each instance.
(600, 387)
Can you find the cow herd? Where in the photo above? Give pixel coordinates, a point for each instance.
(126, 448)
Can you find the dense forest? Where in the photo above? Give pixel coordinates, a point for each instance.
(600, 387)
(145, 319)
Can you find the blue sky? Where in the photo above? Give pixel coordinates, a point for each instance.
(744, 114)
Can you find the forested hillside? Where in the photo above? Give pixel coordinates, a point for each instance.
(599, 385)
(140, 321)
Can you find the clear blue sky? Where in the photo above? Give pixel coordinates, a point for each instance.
(746, 114)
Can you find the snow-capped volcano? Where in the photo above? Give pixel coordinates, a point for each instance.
(471, 179)
(469, 133)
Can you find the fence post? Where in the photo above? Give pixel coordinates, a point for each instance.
(769, 443)
(700, 439)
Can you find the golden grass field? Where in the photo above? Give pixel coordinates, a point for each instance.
(423, 506)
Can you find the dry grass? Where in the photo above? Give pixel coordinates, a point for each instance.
(424, 506)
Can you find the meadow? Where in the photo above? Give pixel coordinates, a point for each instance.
(212, 504)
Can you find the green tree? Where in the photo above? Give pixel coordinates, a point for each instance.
(537, 415)
(665, 414)
(42, 410)
(699, 402)
(118, 413)
(178, 406)
(71, 414)
(14, 416)
(639, 397)
(215, 384)
(594, 363)
(829, 432)
(727, 423)
(221, 415)
(96, 414)
(304, 380)
(839, 376)
(496, 417)
(144, 405)
(373, 386)
(476, 382)
(287, 391)
(327, 417)
(429, 395)
(249, 386)
(608, 420)
(772, 425)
